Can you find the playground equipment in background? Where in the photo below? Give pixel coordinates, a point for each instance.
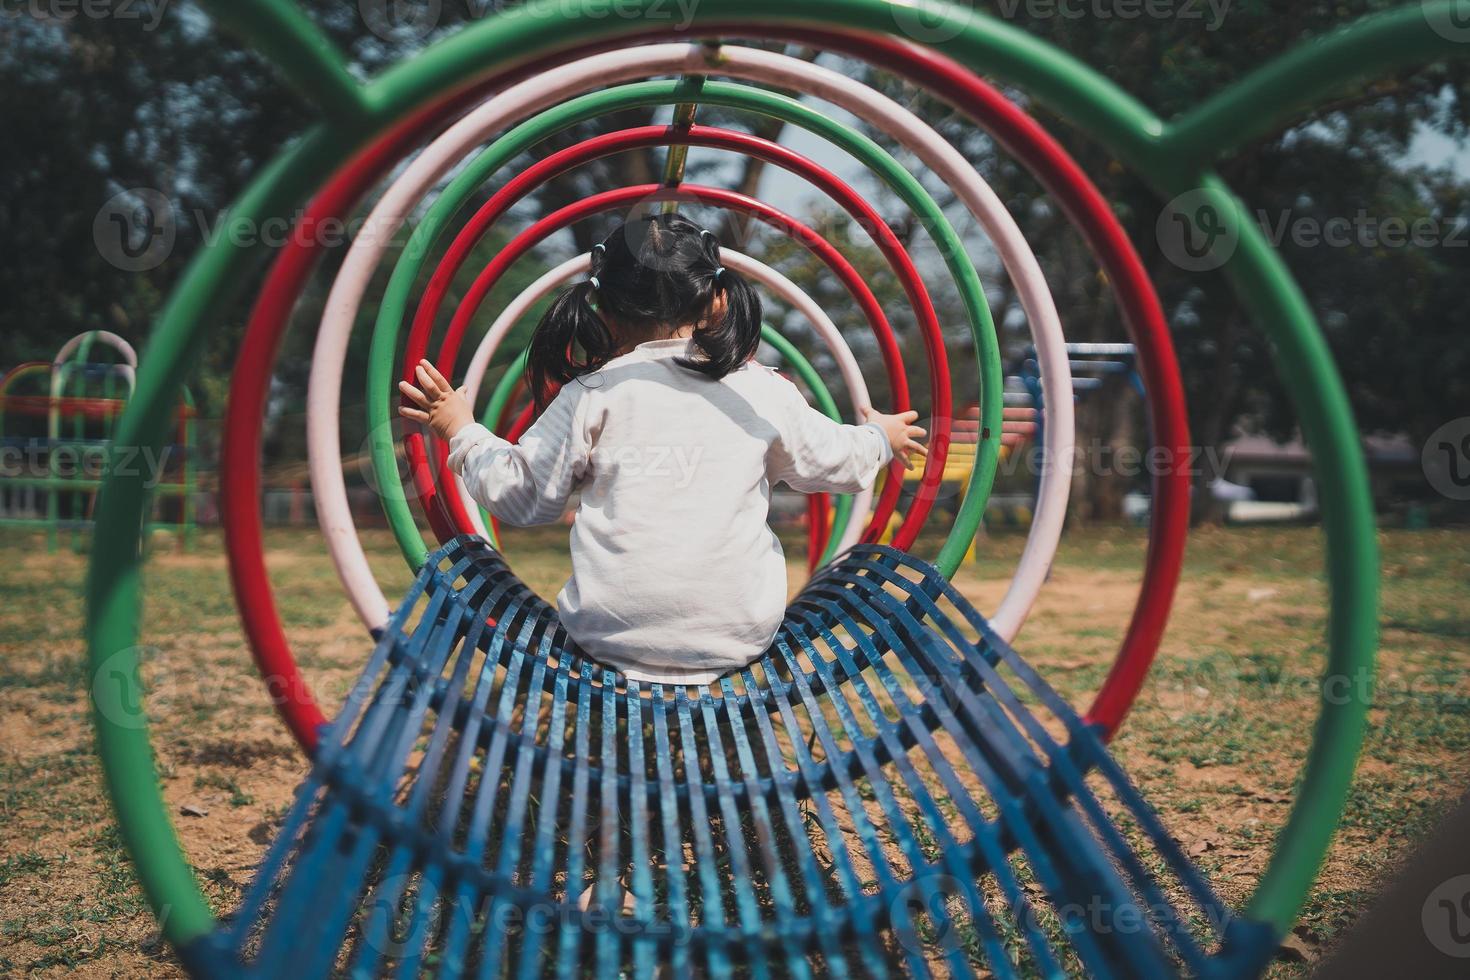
(1090, 363)
(56, 442)
(1019, 428)
(684, 826)
(1022, 423)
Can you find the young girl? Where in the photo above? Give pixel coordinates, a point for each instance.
(674, 436)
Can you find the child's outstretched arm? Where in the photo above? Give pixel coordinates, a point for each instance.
(525, 483)
(816, 454)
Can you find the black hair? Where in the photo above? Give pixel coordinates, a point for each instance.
(658, 270)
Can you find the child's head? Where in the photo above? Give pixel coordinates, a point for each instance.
(652, 276)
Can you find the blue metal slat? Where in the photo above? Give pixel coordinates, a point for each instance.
(747, 909)
(884, 730)
(570, 936)
(608, 893)
(382, 754)
(765, 839)
(813, 889)
(675, 881)
(1064, 771)
(888, 884)
(1072, 779)
(479, 830)
(314, 898)
(376, 940)
(717, 951)
(465, 904)
(1084, 874)
(543, 846)
(951, 853)
(640, 855)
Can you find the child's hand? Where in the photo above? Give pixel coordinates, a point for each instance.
(901, 432)
(444, 409)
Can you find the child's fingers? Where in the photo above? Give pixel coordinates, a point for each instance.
(439, 379)
(413, 394)
(427, 382)
(916, 447)
(907, 417)
(916, 433)
(414, 414)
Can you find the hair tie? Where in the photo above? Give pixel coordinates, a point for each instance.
(597, 250)
(705, 237)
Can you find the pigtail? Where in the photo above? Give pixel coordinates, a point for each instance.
(727, 341)
(571, 340)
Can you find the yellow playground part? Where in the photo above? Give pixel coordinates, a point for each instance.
(1018, 428)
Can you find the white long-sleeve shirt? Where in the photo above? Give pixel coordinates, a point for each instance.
(676, 576)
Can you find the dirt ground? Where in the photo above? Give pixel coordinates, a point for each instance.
(1216, 741)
